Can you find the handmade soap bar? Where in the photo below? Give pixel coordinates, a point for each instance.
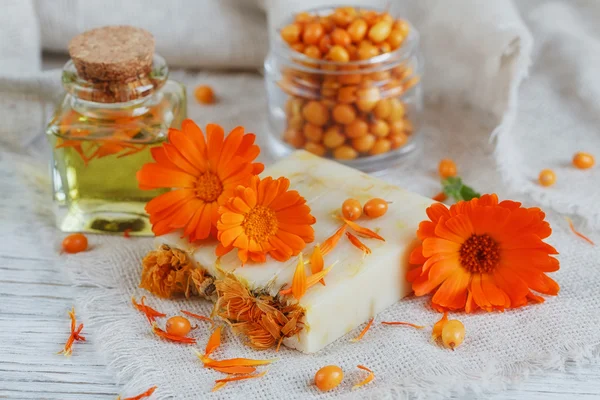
(357, 287)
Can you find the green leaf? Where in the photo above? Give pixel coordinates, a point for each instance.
(455, 188)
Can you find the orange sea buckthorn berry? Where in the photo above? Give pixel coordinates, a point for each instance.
(75, 243)
(291, 33)
(327, 23)
(379, 128)
(356, 128)
(397, 110)
(333, 137)
(343, 17)
(375, 208)
(325, 44)
(315, 113)
(364, 143)
(178, 326)
(397, 127)
(295, 138)
(402, 27)
(340, 37)
(367, 98)
(447, 168)
(345, 152)
(367, 51)
(347, 94)
(453, 334)
(343, 113)
(295, 122)
(313, 133)
(299, 47)
(395, 39)
(583, 160)
(204, 94)
(328, 377)
(381, 146)
(398, 140)
(380, 31)
(315, 148)
(370, 16)
(349, 79)
(313, 31)
(385, 47)
(547, 177)
(351, 209)
(358, 30)
(312, 51)
(303, 18)
(383, 109)
(338, 54)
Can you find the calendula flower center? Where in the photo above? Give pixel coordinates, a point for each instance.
(208, 187)
(260, 223)
(479, 253)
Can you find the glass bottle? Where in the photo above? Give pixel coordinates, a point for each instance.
(363, 112)
(118, 105)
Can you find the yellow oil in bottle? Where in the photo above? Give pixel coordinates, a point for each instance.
(95, 161)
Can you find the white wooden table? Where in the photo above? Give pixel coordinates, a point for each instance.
(30, 336)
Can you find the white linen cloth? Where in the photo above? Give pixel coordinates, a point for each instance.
(476, 54)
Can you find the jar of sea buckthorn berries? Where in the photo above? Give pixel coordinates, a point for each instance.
(345, 83)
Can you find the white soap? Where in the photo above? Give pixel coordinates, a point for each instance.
(357, 287)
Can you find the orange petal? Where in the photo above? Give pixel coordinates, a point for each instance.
(198, 316)
(157, 176)
(452, 293)
(316, 262)
(362, 231)
(368, 379)
(235, 370)
(218, 386)
(433, 246)
(174, 338)
(358, 244)
(402, 323)
(213, 342)
(141, 396)
(235, 362)
(299, 280)
(581, 235)
(330, 243)
(441, 196)
(239, 378)
(311, 280)
(363, 332)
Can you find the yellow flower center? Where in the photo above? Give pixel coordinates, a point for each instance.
(208, 187)
(479, 253)
(260, 223)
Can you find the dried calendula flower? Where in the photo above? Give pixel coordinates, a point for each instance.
(74, 336)
(166, 272)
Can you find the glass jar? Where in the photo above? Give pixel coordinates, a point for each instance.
(361, 112)
(101, 134)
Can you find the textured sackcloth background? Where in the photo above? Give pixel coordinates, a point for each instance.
(476, 56)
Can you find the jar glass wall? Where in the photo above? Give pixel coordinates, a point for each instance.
(100, 136)
(361, 111)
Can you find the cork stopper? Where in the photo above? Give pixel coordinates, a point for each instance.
(112, 53)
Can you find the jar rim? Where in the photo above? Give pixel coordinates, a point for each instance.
(115, 91)
(303, 63)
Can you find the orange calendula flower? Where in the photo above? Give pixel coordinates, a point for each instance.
(204, 174)
(265, 218)
(483, 254)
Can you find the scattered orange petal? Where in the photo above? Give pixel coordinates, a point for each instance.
(362, 333)
(279, 344)
(126, 233)
(235, 370)
(213, 342)
(140, 396)
(402, 323)
(218, 386)
(332, 241)
(368, 379)
(148, 311)
(198, 316)
(581, 235)
(358, 244)
(299, 280)
(311, 280)
(317, 262)
(240, 378)
(362, 231)
(441, 196)
(233, 362)
(173, 338)
(436, 332)
(74, 336)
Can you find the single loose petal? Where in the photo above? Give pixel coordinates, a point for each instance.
(402, 323)
(363, 231)
(368, 379)
(213, 342)
(358, 244)
(363, 332)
